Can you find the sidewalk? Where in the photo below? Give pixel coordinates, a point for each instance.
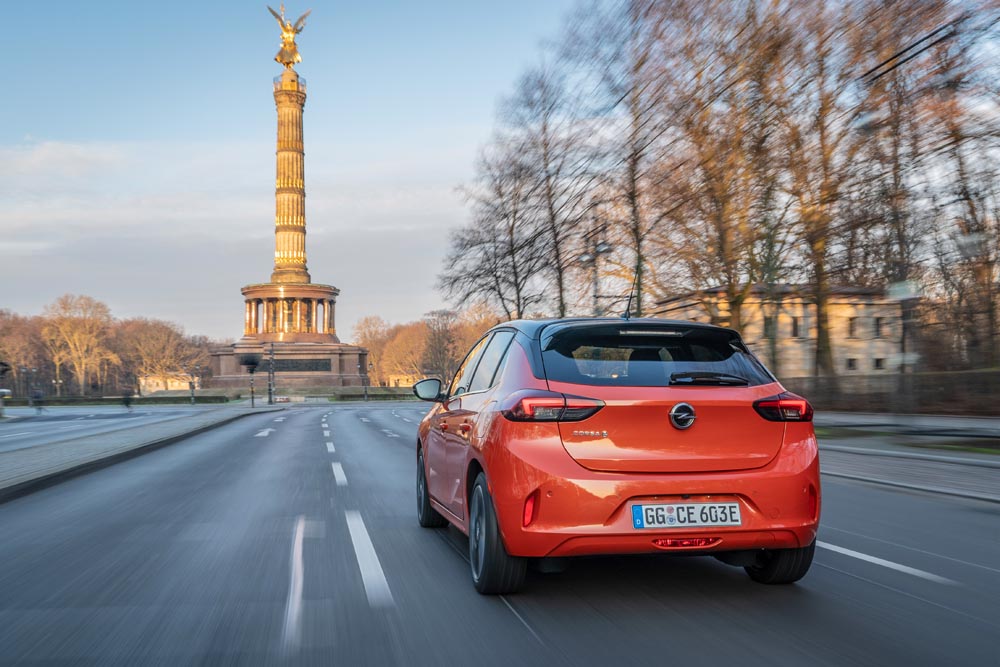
(937, 425)
(883, 460)
(23, 470)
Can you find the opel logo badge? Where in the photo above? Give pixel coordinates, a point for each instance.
(682, 416)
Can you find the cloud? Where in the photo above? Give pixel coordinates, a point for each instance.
(173, 230)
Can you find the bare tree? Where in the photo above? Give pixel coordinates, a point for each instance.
(554, 145)
(373, 333)
(156, 348)
(77, 327)
(404, 353)
(440, 353)
(497, 258)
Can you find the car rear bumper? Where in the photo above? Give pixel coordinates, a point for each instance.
(582, 512)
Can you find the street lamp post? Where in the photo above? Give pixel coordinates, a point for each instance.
(364, 379)
(57, 386)
(194, 375)
(270, 376)
(596, 247)
(251, 361)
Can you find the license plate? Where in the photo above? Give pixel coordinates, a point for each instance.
(686, 515)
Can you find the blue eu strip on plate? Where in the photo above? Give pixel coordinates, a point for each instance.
(637, 519)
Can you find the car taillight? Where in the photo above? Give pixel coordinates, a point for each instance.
(785, 407)
(532, 405)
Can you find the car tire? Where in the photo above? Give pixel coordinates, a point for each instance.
(427, 516)
(494, 571)
(782, 566)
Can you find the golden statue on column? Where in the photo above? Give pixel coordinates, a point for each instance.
(289, 53)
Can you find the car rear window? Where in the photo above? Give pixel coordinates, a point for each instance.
(651, 357)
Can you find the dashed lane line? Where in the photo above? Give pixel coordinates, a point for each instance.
(886, 563)
(292, 632)
(365, 420)
(330, 448)
(338, 474)
(390, 434)
(376, 586)
(326, 434)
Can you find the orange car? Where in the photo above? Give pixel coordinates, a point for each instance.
(575, 437)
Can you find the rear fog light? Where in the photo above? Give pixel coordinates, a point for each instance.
(530, 509)
(685, 542)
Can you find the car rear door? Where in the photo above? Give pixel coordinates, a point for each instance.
(441, 434)
(464, 415)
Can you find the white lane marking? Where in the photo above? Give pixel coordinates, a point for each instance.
(376, 587)
(292, 633)
(389, 433)
(365, 419)
(323, 425)
(920, 551)
(280, 419)
(266, 432)
(330, 448)
(79, 418)
(886, 563)
(326, 434)
(96, 415)
(408, 421)
(11, 435)
(523, 622)
(338, 474)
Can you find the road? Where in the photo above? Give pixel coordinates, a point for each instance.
(68, 423)
(276, 539)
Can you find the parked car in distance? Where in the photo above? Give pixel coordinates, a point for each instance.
(571, 437)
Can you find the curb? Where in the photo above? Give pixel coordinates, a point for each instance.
(51, 479)
(937, 458)
(916, 487)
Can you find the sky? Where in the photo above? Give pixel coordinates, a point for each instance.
(137, 148)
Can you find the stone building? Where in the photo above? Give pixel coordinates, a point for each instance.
(779, 325)
(288, 322)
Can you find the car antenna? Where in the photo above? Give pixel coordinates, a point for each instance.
(627, 315)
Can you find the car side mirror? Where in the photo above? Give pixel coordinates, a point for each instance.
(429, 390)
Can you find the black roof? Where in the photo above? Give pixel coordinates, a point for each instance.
(534, 328)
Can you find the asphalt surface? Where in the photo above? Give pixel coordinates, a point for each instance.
(255, 544)
(61, 424)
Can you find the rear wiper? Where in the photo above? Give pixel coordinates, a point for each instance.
(707, 377)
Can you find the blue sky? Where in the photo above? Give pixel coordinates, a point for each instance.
(137, 148)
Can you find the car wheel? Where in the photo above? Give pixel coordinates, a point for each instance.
(782, 566)
(494, 571)
(427, 516)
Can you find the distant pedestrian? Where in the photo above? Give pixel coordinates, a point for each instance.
(127, 399)
(36, 399)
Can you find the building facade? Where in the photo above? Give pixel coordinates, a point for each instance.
(779, 325)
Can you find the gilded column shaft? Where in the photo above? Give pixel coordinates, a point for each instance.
(290, 193)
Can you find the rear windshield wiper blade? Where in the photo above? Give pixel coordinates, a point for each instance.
(707, 377)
